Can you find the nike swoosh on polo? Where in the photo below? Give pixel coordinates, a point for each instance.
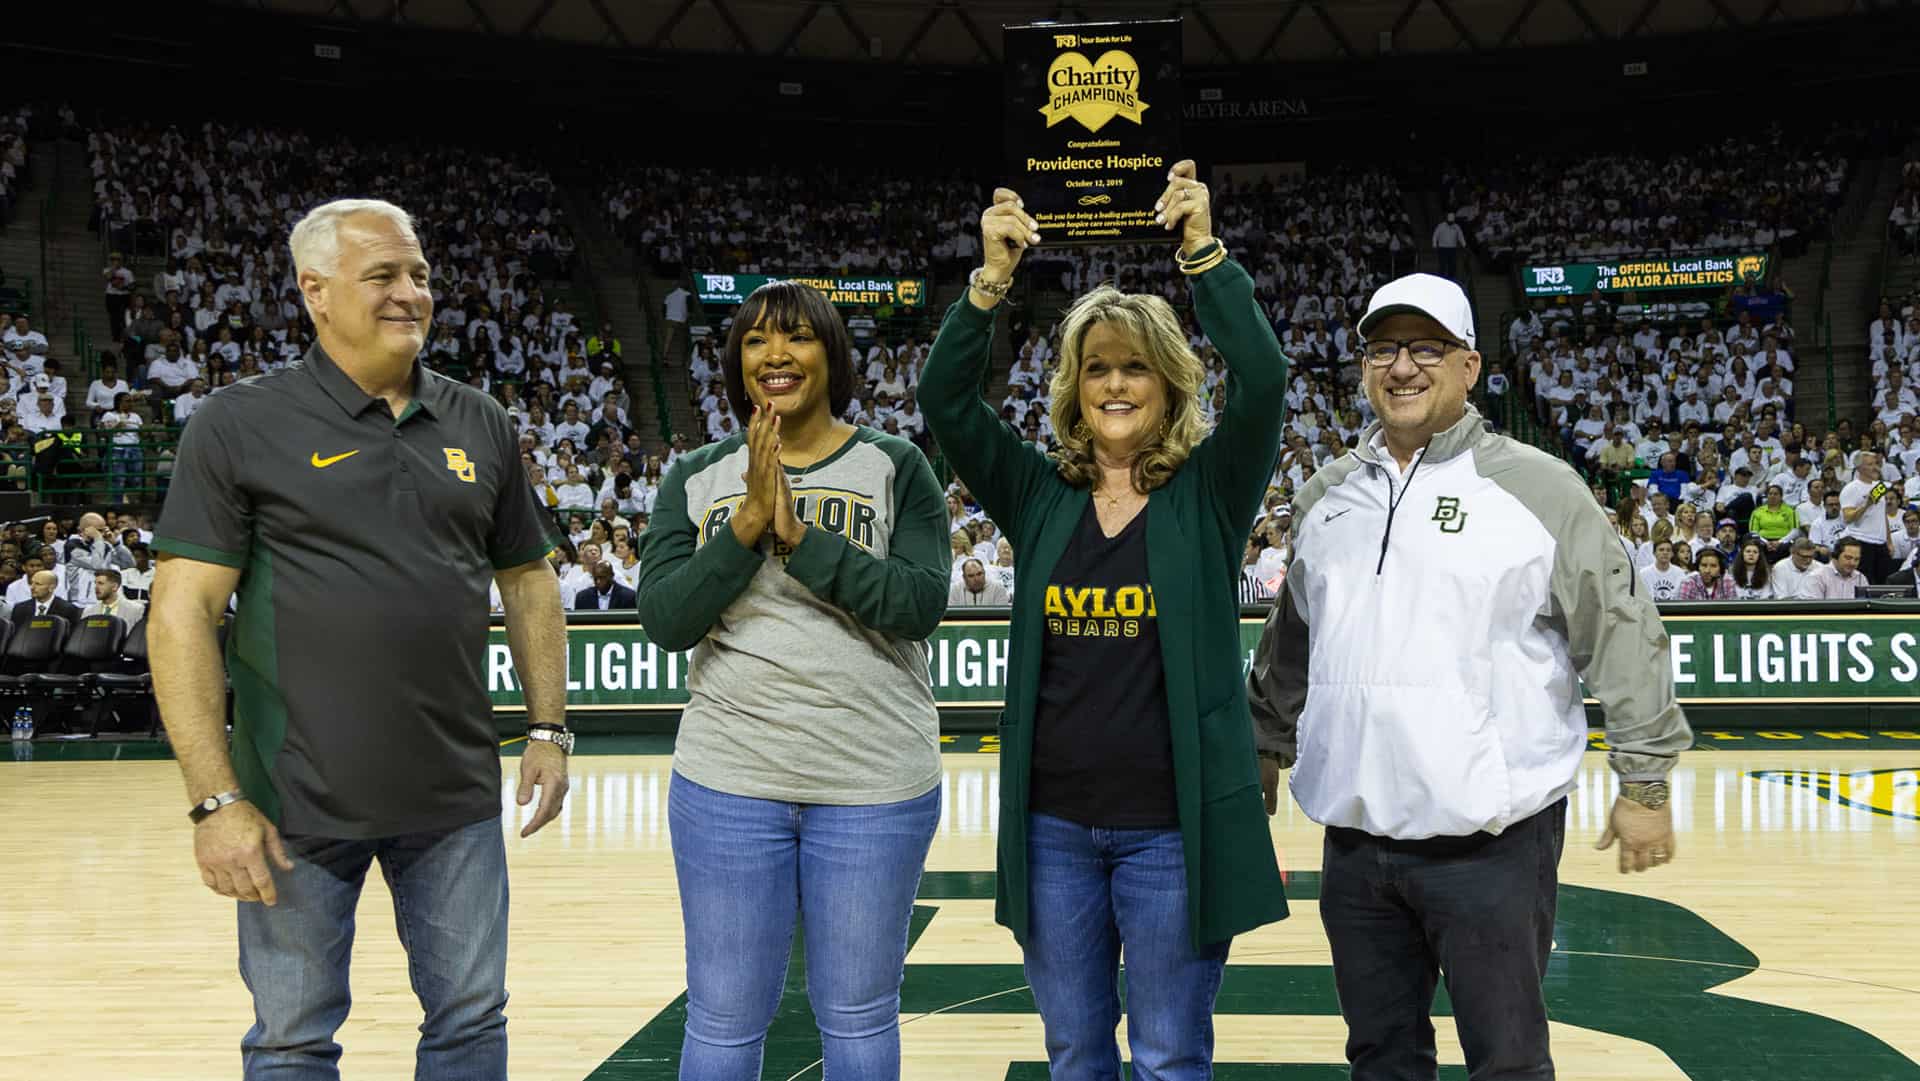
(1335, 514)
(322, 463)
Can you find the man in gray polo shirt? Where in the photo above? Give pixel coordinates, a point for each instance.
(361, 505)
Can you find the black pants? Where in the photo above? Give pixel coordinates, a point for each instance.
(117, 318)
(1477, 909)
(1876, 560)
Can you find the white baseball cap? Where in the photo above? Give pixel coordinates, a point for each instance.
(1437, 298)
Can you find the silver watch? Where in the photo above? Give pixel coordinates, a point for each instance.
(559, 737)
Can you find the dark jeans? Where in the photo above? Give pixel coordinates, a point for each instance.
(450, 904)
(1478, 910)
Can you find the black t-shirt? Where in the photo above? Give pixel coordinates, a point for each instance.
(1102, 744)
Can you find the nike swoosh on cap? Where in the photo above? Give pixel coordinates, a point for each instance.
(322, 463)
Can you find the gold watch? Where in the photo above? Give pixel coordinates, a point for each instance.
(1649, 794)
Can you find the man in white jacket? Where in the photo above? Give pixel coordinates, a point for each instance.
(1449, 590)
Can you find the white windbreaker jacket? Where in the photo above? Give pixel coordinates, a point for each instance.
(1421, 669)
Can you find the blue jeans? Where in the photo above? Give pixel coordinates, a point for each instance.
(123, 462)
(450, 903)
(747, 868)
(1097, 893)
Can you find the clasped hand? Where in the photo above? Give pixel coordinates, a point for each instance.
(769, 501)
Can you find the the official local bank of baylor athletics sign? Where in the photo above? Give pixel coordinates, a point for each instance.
(841, 291)
(1726, 659)
(1642, 274)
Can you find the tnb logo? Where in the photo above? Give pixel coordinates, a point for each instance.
(1066, 41)
(718, 283)
(1550, 275)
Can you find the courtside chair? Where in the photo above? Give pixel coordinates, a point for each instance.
(130, 678)
(34, 646)
(67, 683)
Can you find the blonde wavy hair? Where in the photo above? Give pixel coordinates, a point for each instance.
(1151, 322)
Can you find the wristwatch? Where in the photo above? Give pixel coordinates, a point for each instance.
(552, 733)
(213, 803)
(1649, 794)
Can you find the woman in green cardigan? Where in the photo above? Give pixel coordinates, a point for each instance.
(1131, 815)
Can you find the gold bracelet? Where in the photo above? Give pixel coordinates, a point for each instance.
(998, 290)
(1210, 242)
(1205, 263)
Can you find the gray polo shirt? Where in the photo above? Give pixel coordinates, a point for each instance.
(366, 546)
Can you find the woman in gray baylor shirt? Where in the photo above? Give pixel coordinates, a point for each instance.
(804, 561)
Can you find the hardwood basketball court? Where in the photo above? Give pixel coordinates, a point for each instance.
(1782, 945)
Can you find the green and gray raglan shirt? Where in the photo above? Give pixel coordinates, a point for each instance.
(809, 669)
(366, 545)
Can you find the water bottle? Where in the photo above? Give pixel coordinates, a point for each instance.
(20, 724)
(26, 723)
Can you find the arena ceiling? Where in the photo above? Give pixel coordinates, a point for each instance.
(956, 33)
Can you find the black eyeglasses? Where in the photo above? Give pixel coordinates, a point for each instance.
(1426, 352)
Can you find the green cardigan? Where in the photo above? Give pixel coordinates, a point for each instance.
(1196, 544)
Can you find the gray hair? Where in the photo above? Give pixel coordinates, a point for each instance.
(315, 241)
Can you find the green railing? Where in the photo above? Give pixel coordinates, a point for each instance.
(83, 352)
(583, 267)
(656, 365)
(93, 472)
(46, 230)
(1820, 289)
(1833, 408)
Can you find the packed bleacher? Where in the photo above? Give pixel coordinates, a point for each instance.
(688, 220)
(216, 206)
(1731, 193)
(227, 194)
(14, 172)
(1616, 384)
(1683, 415)
(210, 212)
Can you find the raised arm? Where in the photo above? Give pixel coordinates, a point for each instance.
(1238, 457)
(1001, 470)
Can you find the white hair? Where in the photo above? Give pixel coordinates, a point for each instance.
(315, 241)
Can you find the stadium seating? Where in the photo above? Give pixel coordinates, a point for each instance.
(1730, 193)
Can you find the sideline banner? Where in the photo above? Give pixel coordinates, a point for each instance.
(1644, 275)
(1092, 126)
(1778, 659)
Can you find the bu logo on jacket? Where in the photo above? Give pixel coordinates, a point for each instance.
(1448, 513)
